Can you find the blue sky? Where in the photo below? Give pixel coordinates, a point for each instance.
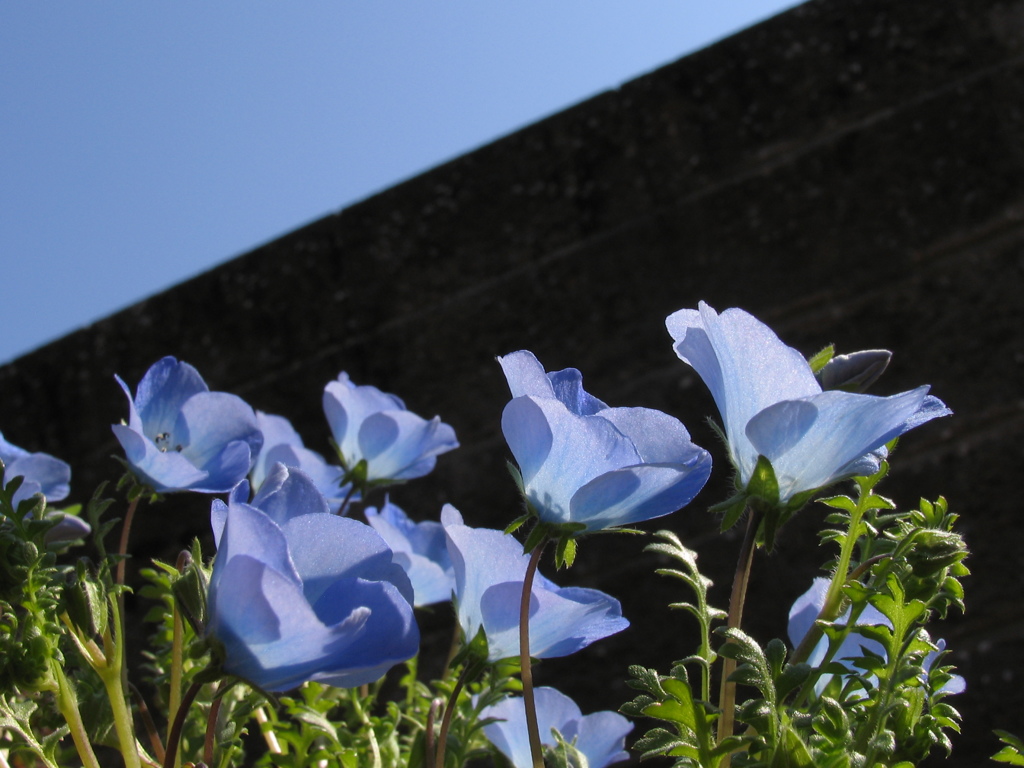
(142, 143)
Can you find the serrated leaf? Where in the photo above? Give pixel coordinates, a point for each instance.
(565, 552)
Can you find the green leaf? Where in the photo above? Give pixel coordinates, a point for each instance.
(1013, 752)
(792, 752)
(565, 552)
(731, 510)
(763, 483)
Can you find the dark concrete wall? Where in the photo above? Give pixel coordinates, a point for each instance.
(851, 171)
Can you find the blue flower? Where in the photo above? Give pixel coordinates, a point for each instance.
(420, 548)
(854, 646)
(182, 437)
(583, 462)
(40, 473)
(281, 443)
(489, 571)
(45, 474)
(600, 737)
(299, 594)
(375, 427)
(772, 405)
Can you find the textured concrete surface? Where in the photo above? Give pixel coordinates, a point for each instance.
(851, 172)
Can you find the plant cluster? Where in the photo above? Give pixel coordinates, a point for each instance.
(297, 644)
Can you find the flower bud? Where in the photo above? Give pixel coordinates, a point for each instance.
(934, 550)
(190, 592)
(854, 372)
(85, 601)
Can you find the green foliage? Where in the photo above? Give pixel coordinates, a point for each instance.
(1013, 751)
(885, 708)
(31, 588)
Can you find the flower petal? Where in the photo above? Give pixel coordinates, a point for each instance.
(810, 442)
(163, 391)
(420, 548)
(525, 375)
(163, 470)
(490, 567)
(209, 422)
(635, 494)
(559, 452)
(288, 492)
(744, 365)
(50, 475)
(272, 636)
(399, 445)
(599, 736)
(326, 548)
(347, 406)
(562, 620)
(390, 635)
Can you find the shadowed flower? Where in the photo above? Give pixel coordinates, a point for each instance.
(281, 443)
(375, 427)
(803, 615)
(772, 405)
(45, 474)
(583, 462)
(420, 548)
(299, 594)
(489, 571)
(600, 737)
(40, 472)
(182, 437)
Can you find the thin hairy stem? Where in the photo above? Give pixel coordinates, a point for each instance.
(727, 691)
(122, 547)
(428, 735)
(526, 666)
(446, 721)
(179, 723)
(211, 730)
(147, 722)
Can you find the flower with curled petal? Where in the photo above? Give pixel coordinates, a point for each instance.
(182, 437)
(40, 472)
(299, 594)
(600, 737)
(490, 568)
(375, 430)
(45, 474)
(586, 464)
(772, 405)
(420, 548)
(281, 443)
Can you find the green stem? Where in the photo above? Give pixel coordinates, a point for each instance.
(177, 668)
(122, 551)
(111, 674)
(865, 740)
(727, 689)
(833, 604)
(525, 663)
(67, 703)
(449, 710)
